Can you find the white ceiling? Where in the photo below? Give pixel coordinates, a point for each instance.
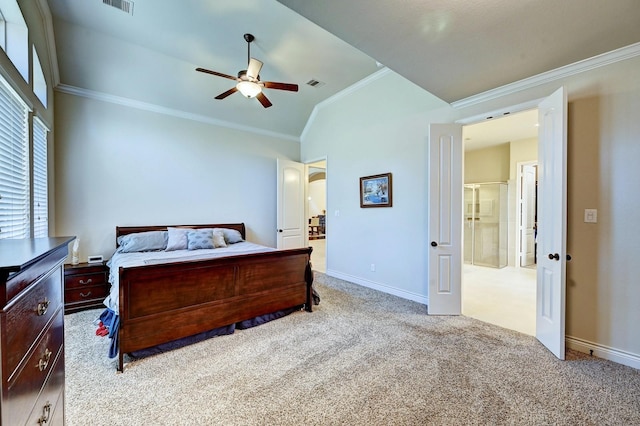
(155, 51)
(456, 49)
(511, 128)
(451, 49)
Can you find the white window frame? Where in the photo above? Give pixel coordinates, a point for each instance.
(40, 204)
(15, 200)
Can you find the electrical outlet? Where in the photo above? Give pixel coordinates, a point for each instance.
(590, 216)
(373, 267)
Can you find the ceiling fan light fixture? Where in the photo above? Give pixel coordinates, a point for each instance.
(249, 89)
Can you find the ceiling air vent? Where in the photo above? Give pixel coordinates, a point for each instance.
(315, 83)
(123, 5)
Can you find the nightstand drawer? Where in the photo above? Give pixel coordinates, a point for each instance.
(85, 293)
(84, 280)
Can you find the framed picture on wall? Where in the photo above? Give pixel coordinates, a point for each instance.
(375, 191)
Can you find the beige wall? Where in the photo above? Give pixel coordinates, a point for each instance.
(603, 294)
(521, 151)
(487, 165)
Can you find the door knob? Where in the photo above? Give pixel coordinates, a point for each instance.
(279, 230)
(554, 256)
(434, 244)
(568, 257)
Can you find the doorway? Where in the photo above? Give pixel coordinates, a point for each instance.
(527, 214)
(317, 213)
(499, 221)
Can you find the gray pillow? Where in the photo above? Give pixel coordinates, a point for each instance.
(142, 241)
(231, 236)
(198, 239)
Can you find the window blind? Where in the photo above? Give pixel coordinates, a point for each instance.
(14, 165)
(40, 198)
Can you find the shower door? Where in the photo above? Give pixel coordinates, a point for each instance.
(486, 226)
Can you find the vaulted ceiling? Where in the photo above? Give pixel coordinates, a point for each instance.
(451, 49)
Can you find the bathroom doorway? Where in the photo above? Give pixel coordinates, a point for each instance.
(500, 170)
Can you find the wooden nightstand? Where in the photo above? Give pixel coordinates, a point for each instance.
(85, 286)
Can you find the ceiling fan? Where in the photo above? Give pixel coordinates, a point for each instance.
(248, 81)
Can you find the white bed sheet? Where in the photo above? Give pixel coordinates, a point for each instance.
(155, 257)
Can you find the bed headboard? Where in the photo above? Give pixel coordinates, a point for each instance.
(124, 230)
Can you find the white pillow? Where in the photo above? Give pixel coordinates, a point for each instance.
(218, 238)
(177, 239)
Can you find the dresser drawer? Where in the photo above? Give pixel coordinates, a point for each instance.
(84, 280)
(45, 361)
(49, 407)
(28, 316)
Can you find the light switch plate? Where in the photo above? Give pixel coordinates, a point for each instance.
(590, 215)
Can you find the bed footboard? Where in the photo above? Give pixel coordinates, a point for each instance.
(162, 303)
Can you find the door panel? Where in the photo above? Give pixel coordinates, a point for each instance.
(290, 201)
(552, 220)
(445, 214)
(528, 205)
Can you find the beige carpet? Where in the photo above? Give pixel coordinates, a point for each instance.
(362, 358)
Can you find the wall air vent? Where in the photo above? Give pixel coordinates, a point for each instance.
(123, 5)
(315, 83)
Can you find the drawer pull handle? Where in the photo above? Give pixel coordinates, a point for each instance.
(86, 282)
(44, 361)
(42, 307)
(46, 413)
(85, 294)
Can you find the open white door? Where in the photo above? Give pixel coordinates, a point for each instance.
(290, 202)
(552, 222)
(445, 219)
(526, 254)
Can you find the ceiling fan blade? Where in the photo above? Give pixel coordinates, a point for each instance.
(253, 70)
(219, 74)
(227, 93)
(263, 100)
(280, 86)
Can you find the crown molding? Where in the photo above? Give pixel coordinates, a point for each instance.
(145, 106)
(342, 94)
(604, 59)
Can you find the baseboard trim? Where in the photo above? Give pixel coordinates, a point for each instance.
(380, 287)
(604, 352)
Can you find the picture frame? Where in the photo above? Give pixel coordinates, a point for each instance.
(376, 191)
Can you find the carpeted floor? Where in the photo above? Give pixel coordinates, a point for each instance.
(361, 358)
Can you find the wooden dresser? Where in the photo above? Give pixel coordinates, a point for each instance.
(85, 286)
(32, 331)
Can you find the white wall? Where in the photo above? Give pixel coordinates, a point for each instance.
(317, 193)
(124, 166)
(381, 128)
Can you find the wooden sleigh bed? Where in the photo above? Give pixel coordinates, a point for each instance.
(160, 303)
